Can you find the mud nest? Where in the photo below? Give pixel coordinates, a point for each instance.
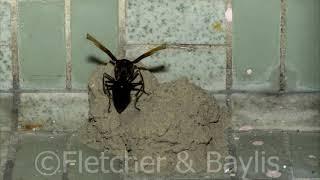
(176, 117)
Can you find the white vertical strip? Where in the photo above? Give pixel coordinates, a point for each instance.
(14, 43)
(283, 48)
(67, 26)
(228, 19)
(122, 7)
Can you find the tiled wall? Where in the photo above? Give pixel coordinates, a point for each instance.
(275, 43)
(44, 67)
(196, 33)
(268, 46)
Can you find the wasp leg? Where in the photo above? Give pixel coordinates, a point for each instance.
(137, 95)
(107, 88)
(109, 98)
(133, 76)
(107, 76)
(142, 83)
(140, 91)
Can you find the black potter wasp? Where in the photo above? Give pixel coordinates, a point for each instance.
(126, 74)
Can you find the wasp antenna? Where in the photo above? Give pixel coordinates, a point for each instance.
(149, 53)
(101, 47)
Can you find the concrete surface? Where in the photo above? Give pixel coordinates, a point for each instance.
(282, 111)
(53, 111)
(53, 151)
(298, 152)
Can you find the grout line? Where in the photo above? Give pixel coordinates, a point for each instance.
(10, 155)
(283, 48)
(122, 14)
(67, 11)
(15, 63)
(67, 146)
(181, 46)
(3, 44)
(230, 92)
(45, 91)
(229, 71)
(288, 150)
(14, 44)
(229, 74)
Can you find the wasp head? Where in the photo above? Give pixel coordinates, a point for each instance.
(123, 69)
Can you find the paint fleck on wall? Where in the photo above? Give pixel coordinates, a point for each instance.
(217, 26)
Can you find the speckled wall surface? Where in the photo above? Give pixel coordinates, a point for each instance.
(176, 22)
(5, 67)
(5, 50)
(5, 19)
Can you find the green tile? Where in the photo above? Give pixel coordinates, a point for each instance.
(100, 19)
(41, 41)
(305, 154)
(268, 152)
(303, 49)
(256, 44)
(103, 171)
(34, 150)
